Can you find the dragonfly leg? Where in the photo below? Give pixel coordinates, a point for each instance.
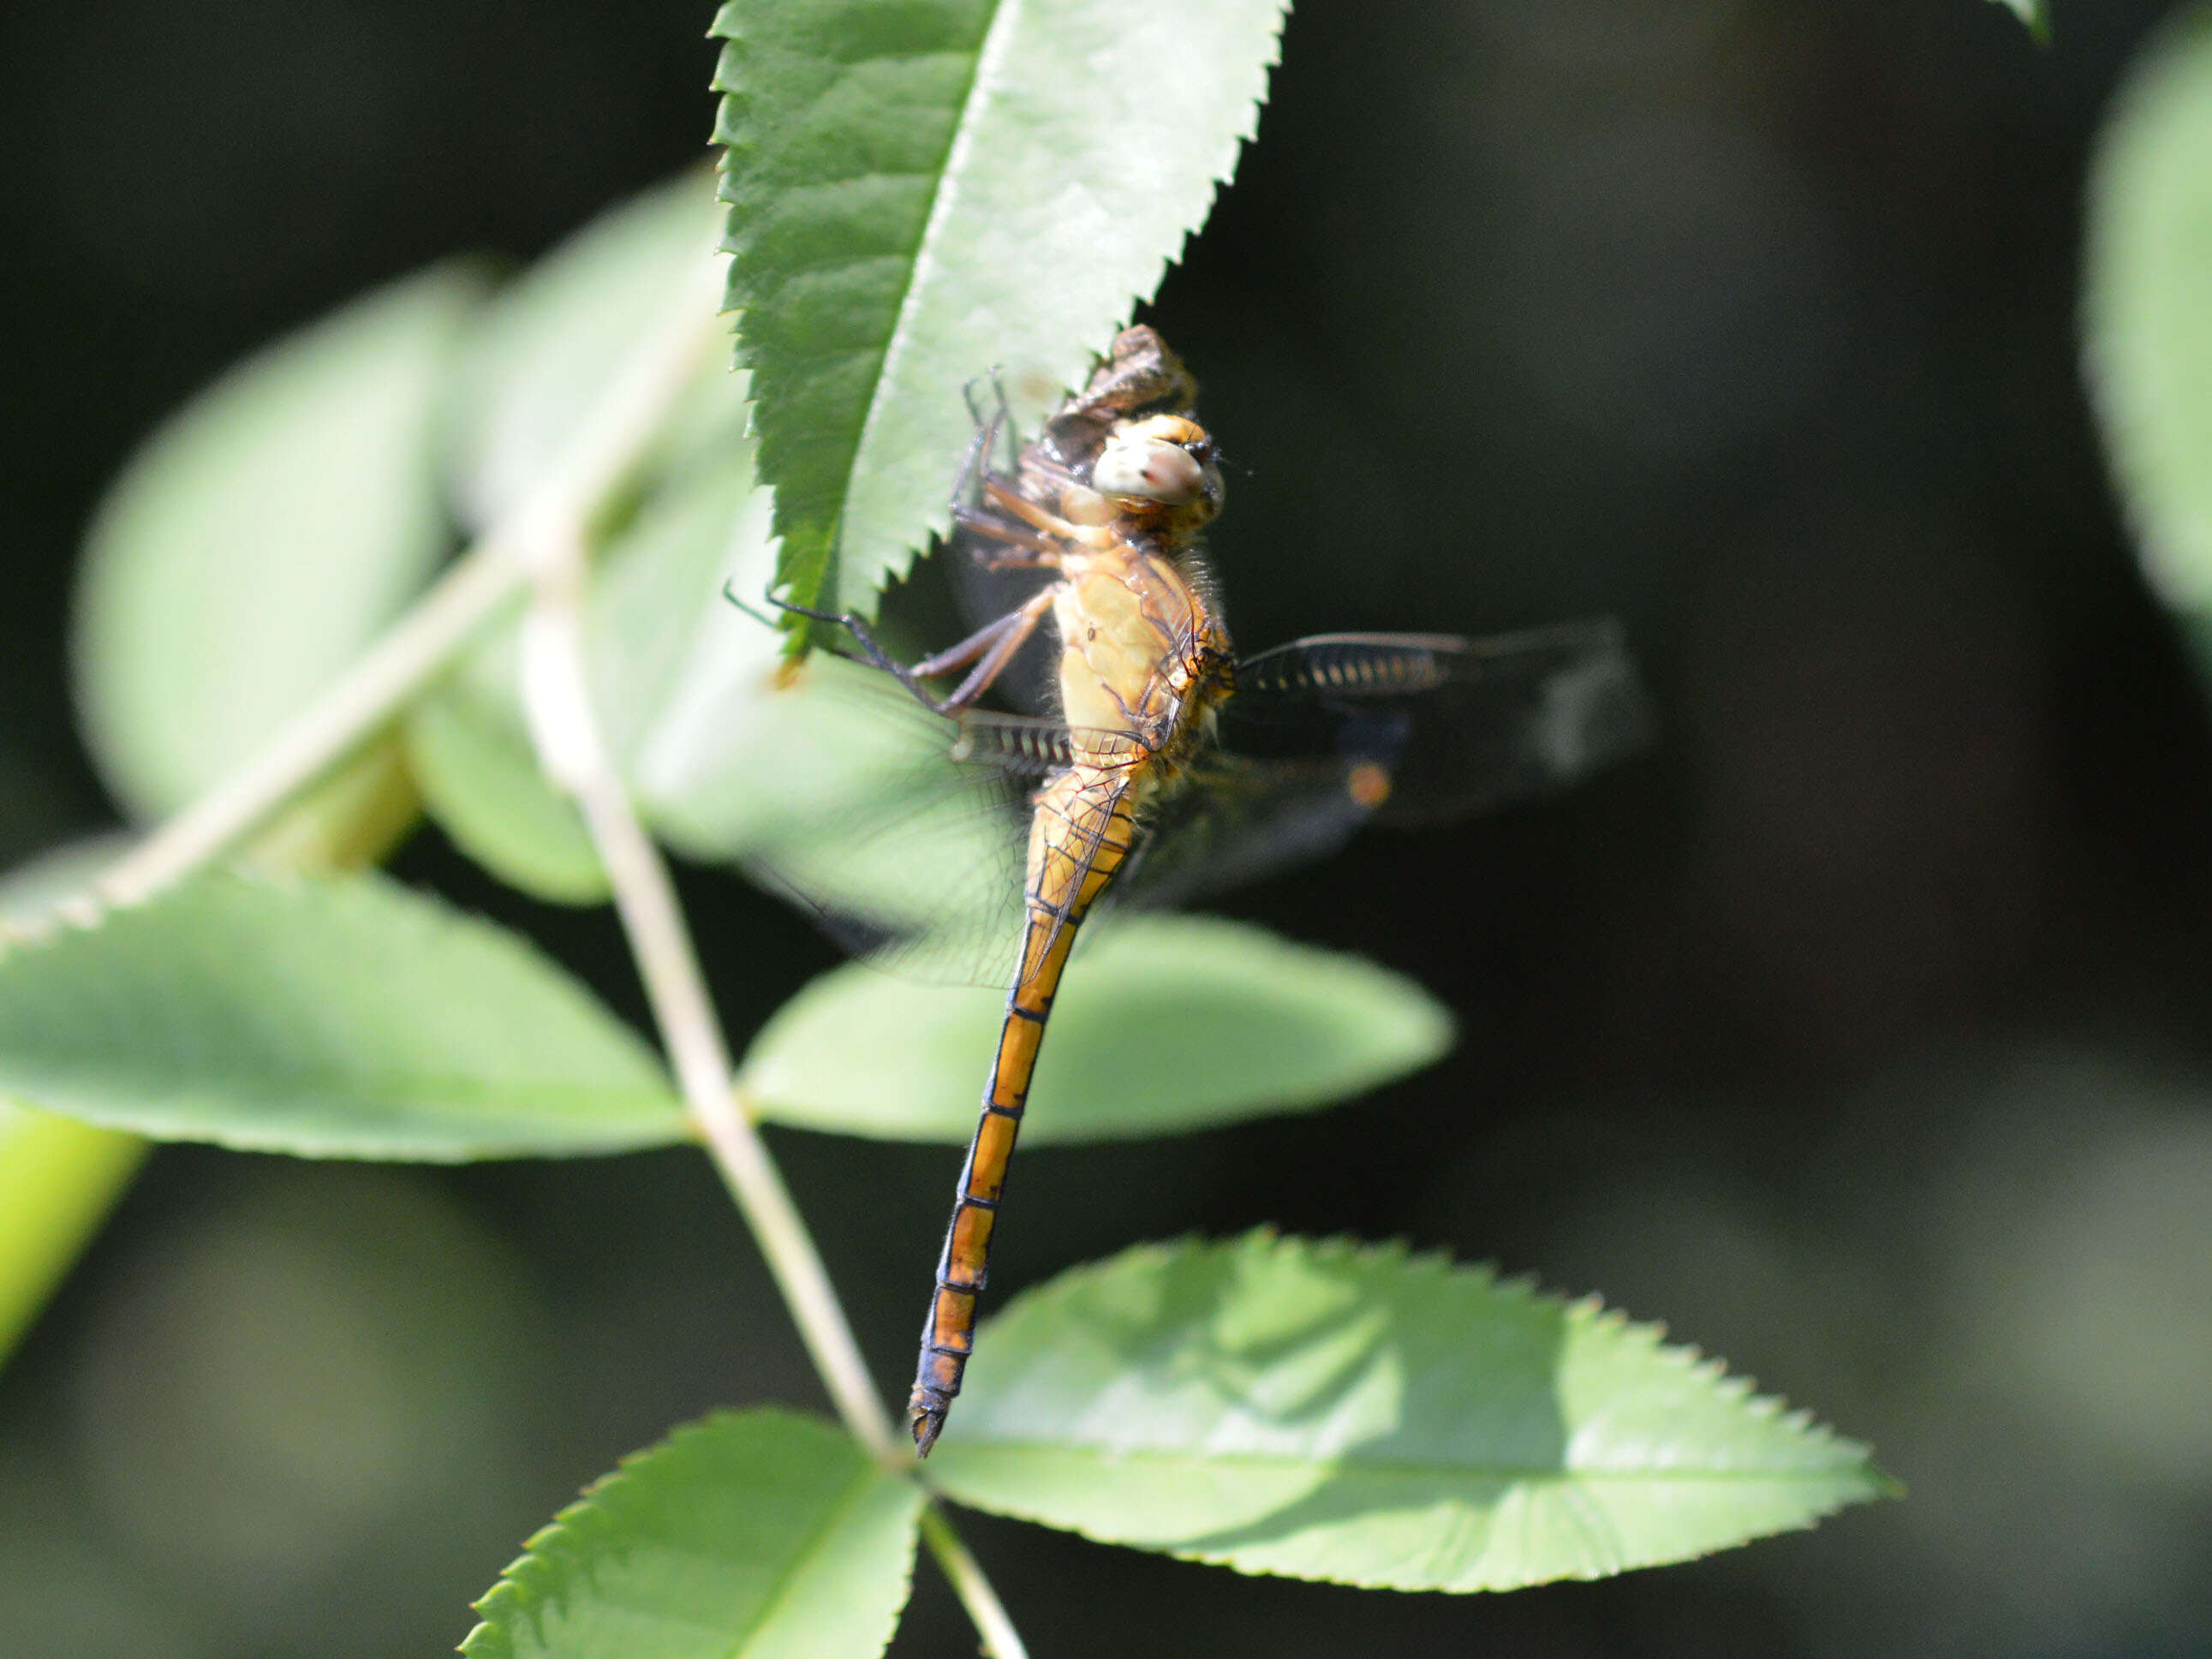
(987, 523)
(1051, 523)
(977, 462)
(1013, 631)
(1002, 417)
(989, 648)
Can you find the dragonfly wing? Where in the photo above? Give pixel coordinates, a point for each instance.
(1434, 725)
(855, 810)
(903, 835)
(1235, 819)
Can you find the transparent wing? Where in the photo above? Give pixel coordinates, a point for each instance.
(1434, 725)
(903, 835)
(1327, 734)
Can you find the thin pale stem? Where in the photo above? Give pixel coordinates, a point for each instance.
(965, 1574)
(646, 900)
(573, 750)
(363, 699)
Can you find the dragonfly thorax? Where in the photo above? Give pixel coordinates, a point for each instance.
(1143, 656)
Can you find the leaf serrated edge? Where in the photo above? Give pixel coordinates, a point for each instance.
(1877, 1484)
(585, 1514)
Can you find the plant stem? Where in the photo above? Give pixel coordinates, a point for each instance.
(571, 747)
(653, 920)
(965, 1574)
(603, 449)
(363, 699)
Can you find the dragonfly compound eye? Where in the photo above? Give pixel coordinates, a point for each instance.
(1149, 469)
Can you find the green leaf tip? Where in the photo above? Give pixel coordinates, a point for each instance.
(755, 1535)
(326, 1017)
(920, 193)
(1364, 1414)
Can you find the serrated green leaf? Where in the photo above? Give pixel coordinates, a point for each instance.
(263, 535)
(920, 193)
(2147, 315)
(760, 1535)
(1324, 1410)
(328, 1018)
(1171, 1024)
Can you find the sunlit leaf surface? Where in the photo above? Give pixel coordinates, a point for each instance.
(1171, 1023)
(760, 1535)
(2148, 315)
(264, 534)
(334, 1018)
(1324, 1410)
(920, 193)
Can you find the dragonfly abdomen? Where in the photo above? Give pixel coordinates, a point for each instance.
(1082, 832)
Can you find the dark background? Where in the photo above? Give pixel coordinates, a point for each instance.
(1860, 1032)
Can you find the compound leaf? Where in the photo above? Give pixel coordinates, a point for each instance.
(548, 348)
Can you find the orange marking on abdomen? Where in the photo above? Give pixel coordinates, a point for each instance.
(1083, 832)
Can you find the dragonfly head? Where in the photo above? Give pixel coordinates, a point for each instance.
(1161, 470)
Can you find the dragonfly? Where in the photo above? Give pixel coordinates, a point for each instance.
(1166, 765)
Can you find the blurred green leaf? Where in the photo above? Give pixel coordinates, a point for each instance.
(58, 1178)
(919, 192)
(548, 347)
(652, 591)
(814, 763)
(330, 1018)
(263, 536)
(2147, 315)
(760, 1535)
(351, 820)
(33, 893)
(472, 761)
(2034, 13)
(1329, 1411)
(1169, 1023)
